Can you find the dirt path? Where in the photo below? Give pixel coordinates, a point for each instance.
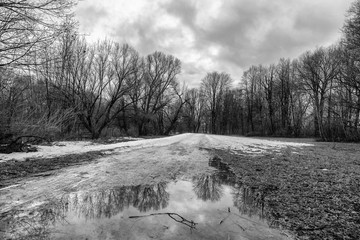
(134, 166)
(144, 162)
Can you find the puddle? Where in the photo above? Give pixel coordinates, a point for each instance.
(209, 206)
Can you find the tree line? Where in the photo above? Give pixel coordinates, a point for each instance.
(314, 95)
(55, 84)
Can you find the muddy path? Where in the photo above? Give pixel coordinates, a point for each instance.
(169, 188)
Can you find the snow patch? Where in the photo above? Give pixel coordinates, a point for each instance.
(234, 144)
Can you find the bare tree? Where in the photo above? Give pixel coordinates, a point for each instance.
(12, 90)
(350, 89)
(214, 86)
(251, 82)
(284, 92)
(351, 30)
(232, 114)
(27, 25)
(95, 80)
(175, 108)
(159, 78)
(351, 69)
(268, 87)
(194, 109)
(318, 70)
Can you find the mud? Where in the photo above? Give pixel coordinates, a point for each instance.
(13, 171)
(94, 199)
(206, 206)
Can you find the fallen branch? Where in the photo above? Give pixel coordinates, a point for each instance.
(21, 146)
(191, 224)
(30, 136)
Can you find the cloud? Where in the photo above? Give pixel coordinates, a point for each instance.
(89, 17)
(217, 35)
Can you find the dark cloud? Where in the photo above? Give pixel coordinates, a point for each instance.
(226, 35)
(185, 10)
(235, 29)
(140, 30)
(144, 36)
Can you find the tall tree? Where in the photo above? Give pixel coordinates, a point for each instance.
(284, 93)
(268, 85)
(351, 66)
(159, 79)
(95, 80)
(318, 69)
(194, 110)
(351, 30)
(214, 86)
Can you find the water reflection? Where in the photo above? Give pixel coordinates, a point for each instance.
(33, 223)
(207, 187)
(249, 202)
(246, 199)
(108, 203)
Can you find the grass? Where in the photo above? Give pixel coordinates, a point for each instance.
(314, 192)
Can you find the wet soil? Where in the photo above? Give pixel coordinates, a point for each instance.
(14, 170)
(127, 167)
(313, 192)
(210, 205)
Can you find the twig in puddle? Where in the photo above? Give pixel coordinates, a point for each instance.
(229, 214)
(247, 219)
(226, 216)
(239, 225)
(191, 224)
(224, 219)
(132, 225)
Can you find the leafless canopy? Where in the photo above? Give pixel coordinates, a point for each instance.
(26, 24)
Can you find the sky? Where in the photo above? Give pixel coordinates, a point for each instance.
(215, 35)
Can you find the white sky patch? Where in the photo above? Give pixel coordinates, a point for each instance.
(208, 11)
(167, 22)
(214, 50)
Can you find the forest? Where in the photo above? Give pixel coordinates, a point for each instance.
(54, 84)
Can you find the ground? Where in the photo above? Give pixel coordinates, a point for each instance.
(314, 192)
(309, 188)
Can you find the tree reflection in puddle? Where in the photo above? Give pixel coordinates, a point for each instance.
(109, 202)
(220, 208)
(32, 223)
(245, 199)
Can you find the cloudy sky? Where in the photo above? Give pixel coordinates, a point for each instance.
(216, 35)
